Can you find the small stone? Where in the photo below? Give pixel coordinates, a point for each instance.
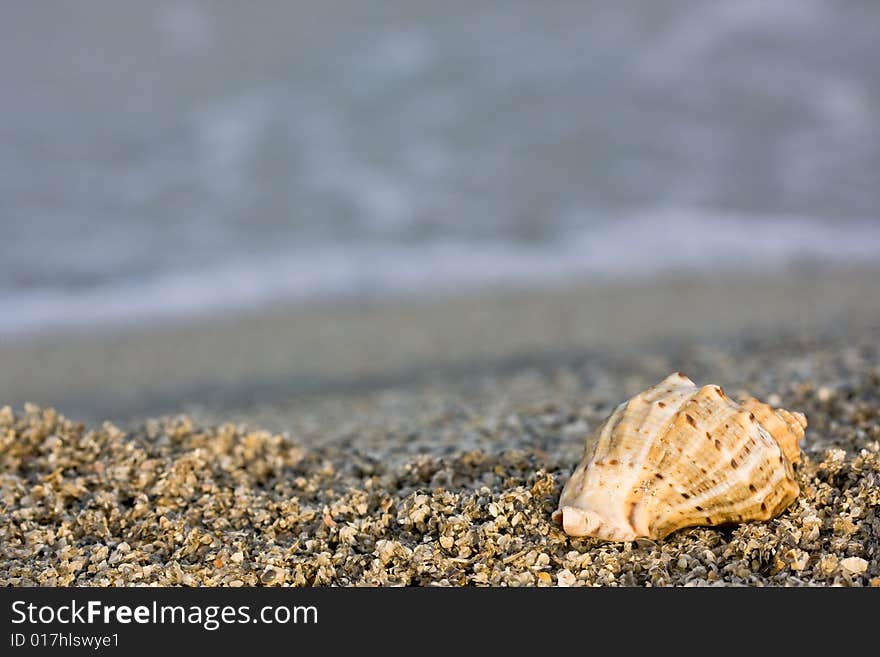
(237, 557)
(565, 578)
(828, 564)
(844, 527)
(854, 565)
(385, 550)
(835, 455)
(447, 542)
(798, 559)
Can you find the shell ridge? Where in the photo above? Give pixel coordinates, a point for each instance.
(647, 481)
(721, 490)
(591, 483)
(685, 496)
(732, 505)
(786, 428)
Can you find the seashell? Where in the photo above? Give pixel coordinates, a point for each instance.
(677, 456)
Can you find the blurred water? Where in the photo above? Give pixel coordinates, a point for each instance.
(169, 157)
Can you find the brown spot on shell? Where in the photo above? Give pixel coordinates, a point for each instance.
(686, 496)
(752, 417)
(752, 488)
(709, 435)
(631, 516)
(661, 404)
(733, 463)
(613, 462)
(717, 444)
(698, 507)
(720, 391)
(763, 507)
(658, 475)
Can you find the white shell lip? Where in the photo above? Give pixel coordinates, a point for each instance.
(579, 522)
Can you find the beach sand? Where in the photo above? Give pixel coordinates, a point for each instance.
(426, 443)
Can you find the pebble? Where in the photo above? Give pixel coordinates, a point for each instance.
(854, 565)
(565, 578)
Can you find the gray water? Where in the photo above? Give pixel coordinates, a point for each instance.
(164, 158)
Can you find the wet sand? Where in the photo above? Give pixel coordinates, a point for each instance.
(277, 354)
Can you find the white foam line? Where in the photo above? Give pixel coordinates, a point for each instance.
(644, 244)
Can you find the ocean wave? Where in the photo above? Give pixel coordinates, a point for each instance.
(643, 244)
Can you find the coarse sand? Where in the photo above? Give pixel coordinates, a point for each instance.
(439, 483)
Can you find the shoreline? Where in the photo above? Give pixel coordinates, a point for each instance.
(285, 352)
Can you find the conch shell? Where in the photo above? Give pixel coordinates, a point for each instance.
(677, 456)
